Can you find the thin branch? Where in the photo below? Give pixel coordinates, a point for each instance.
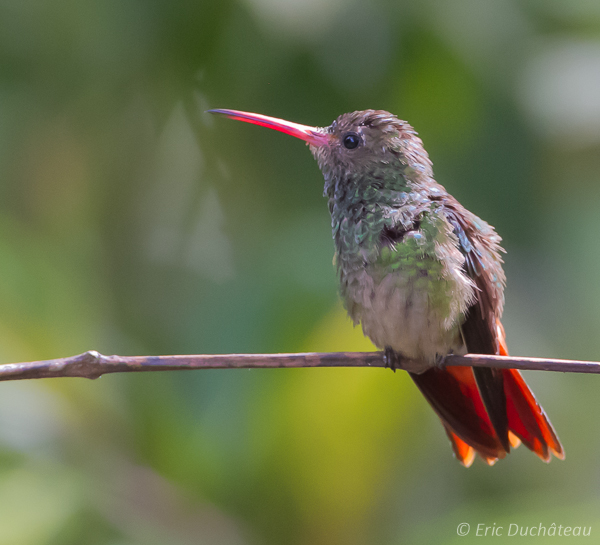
(93, 364)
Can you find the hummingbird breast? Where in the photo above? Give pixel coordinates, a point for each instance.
(402, 278)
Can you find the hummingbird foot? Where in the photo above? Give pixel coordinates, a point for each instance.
(440, 360)
(392, 359)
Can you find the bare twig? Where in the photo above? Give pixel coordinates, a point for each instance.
(93, 364)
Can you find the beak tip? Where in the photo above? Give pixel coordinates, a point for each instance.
(312, 135)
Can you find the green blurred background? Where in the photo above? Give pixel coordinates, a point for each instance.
(131, 222)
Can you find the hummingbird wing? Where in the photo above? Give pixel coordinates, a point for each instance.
(491, 411)
(509, 402)
(479, 244)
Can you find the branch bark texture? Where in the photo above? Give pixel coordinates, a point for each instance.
(92, 364)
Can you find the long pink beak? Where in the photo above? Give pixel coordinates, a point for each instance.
(313, 135)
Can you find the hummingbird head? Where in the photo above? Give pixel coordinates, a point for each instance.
(370, 147)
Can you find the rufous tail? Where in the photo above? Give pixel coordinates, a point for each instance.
(455, 397)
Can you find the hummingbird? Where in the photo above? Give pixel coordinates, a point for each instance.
(423, 276)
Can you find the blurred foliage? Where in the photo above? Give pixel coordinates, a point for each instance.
(132, 222)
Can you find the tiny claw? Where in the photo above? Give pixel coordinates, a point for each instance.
(391, 359)
(440, 360)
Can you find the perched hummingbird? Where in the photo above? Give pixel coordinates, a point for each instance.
(423, 276)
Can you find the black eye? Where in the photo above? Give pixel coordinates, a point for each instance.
(351, 140)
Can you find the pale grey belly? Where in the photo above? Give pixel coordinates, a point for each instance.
(417, 316)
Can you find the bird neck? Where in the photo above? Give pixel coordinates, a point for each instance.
(377, 190)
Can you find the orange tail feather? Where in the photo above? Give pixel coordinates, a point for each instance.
(464, 453)
(526, 418)
(453, 394)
